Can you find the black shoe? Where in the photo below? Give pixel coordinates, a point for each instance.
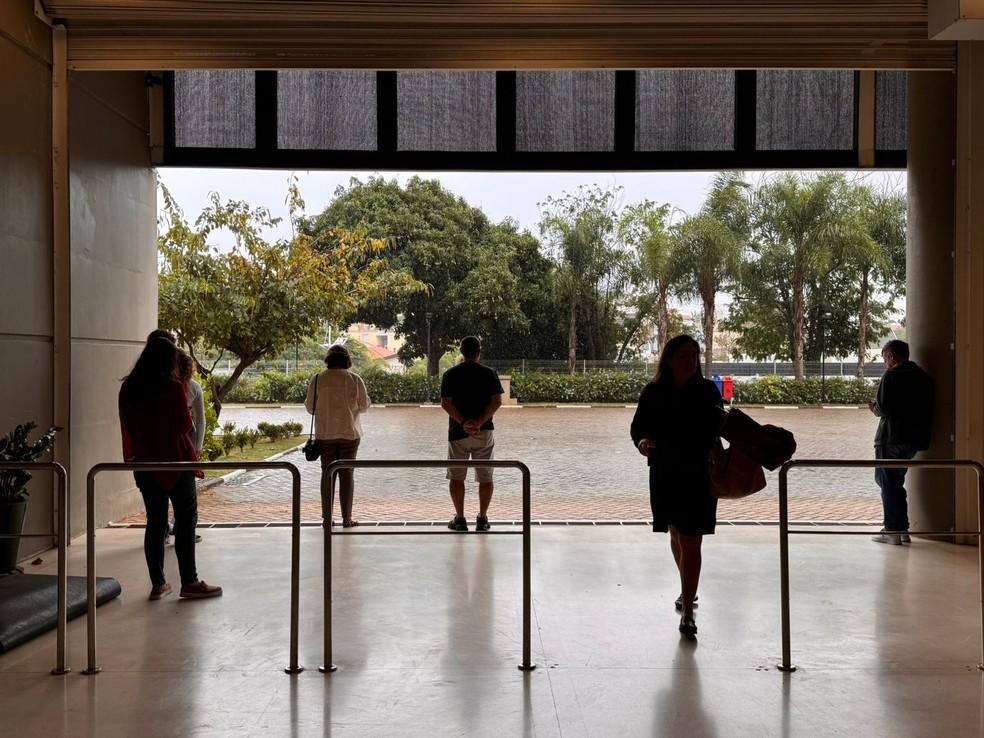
(679, 603)
(458, 524)
(167, 539)
(482, 523)
(688, 626)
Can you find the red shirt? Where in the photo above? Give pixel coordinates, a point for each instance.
(156, 429)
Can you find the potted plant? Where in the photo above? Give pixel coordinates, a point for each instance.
(13, 487)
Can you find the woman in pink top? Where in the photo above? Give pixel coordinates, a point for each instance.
(336, 397)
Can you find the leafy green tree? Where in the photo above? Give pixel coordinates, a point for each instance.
(645, 227)
(262, 296)
(711, 249)
(799, 225)
(593, 269)
(878, 261)
(444, 242)
(532, 327)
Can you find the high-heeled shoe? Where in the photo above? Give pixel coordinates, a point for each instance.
(688, 626)
(678, 604)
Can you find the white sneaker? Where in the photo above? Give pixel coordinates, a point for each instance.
(894, 539)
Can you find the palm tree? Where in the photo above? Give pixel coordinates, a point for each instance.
(711, 247)
(580, 227)
(645, 228)
(799, 224)
(876, 253)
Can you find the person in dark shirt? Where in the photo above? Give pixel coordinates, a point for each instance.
(675, 427)
(155, 423)
(904, 407)
(470, 395)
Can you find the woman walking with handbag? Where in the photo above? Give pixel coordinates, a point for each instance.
(675, 426)
(335, 399)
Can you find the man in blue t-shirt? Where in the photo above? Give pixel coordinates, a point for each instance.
(470, 395)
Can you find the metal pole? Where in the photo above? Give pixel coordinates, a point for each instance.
(295, 571)
(784, 566)
(62, 636)
(90, 573)
(327, 665)
(527, 664)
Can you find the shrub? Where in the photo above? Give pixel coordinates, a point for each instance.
(242, 439)
(590, 387)
(228, 437)
(247, 389)
(253, 437)
(810, 391)
(211, 446)
(273, 431)
(293, 428)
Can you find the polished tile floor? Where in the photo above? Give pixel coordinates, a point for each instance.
(428, 634)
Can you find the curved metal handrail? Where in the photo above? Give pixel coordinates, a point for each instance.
(62, 538)
(336, 466)
(784, 531)
(90, 542)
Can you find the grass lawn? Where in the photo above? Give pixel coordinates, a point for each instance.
(263, 450)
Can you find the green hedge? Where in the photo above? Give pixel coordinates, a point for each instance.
(591, 387)
(787, 391)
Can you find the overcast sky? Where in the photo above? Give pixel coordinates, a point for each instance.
(499, 194)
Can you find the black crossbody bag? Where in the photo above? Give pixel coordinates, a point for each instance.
(311, 450)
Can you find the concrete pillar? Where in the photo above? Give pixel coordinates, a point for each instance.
(930, 281)
(969, 270)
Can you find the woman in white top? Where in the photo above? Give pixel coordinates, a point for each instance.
(196, 399)
(336, 397)
(185, 373)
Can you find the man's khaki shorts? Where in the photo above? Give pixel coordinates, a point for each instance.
(478, 446)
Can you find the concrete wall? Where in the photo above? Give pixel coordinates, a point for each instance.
(113, 257)
(25, 238)
(114, 272)
(969, 266)
(930, 282)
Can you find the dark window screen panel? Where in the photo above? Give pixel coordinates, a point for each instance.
(565, 111)
(445, 111)
(685, 110)
(215, 109)
(890, 111)
(326, 110)
(799, 110)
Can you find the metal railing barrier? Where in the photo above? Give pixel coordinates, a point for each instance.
(90, 540)
(527, 664)
(61, 535)
(784, 531)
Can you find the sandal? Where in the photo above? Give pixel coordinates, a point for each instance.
(679, 603)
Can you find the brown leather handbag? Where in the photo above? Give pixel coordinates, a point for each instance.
(734, 473)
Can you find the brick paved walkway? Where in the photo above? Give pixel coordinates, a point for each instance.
(582, 463)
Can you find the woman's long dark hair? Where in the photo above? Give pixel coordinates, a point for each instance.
(153, 369)
(663, 372)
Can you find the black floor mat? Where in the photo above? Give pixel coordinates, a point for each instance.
(28, 604)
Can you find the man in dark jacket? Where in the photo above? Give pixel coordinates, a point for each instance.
(904, 407)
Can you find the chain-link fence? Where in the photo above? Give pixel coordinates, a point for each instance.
(724, 368)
